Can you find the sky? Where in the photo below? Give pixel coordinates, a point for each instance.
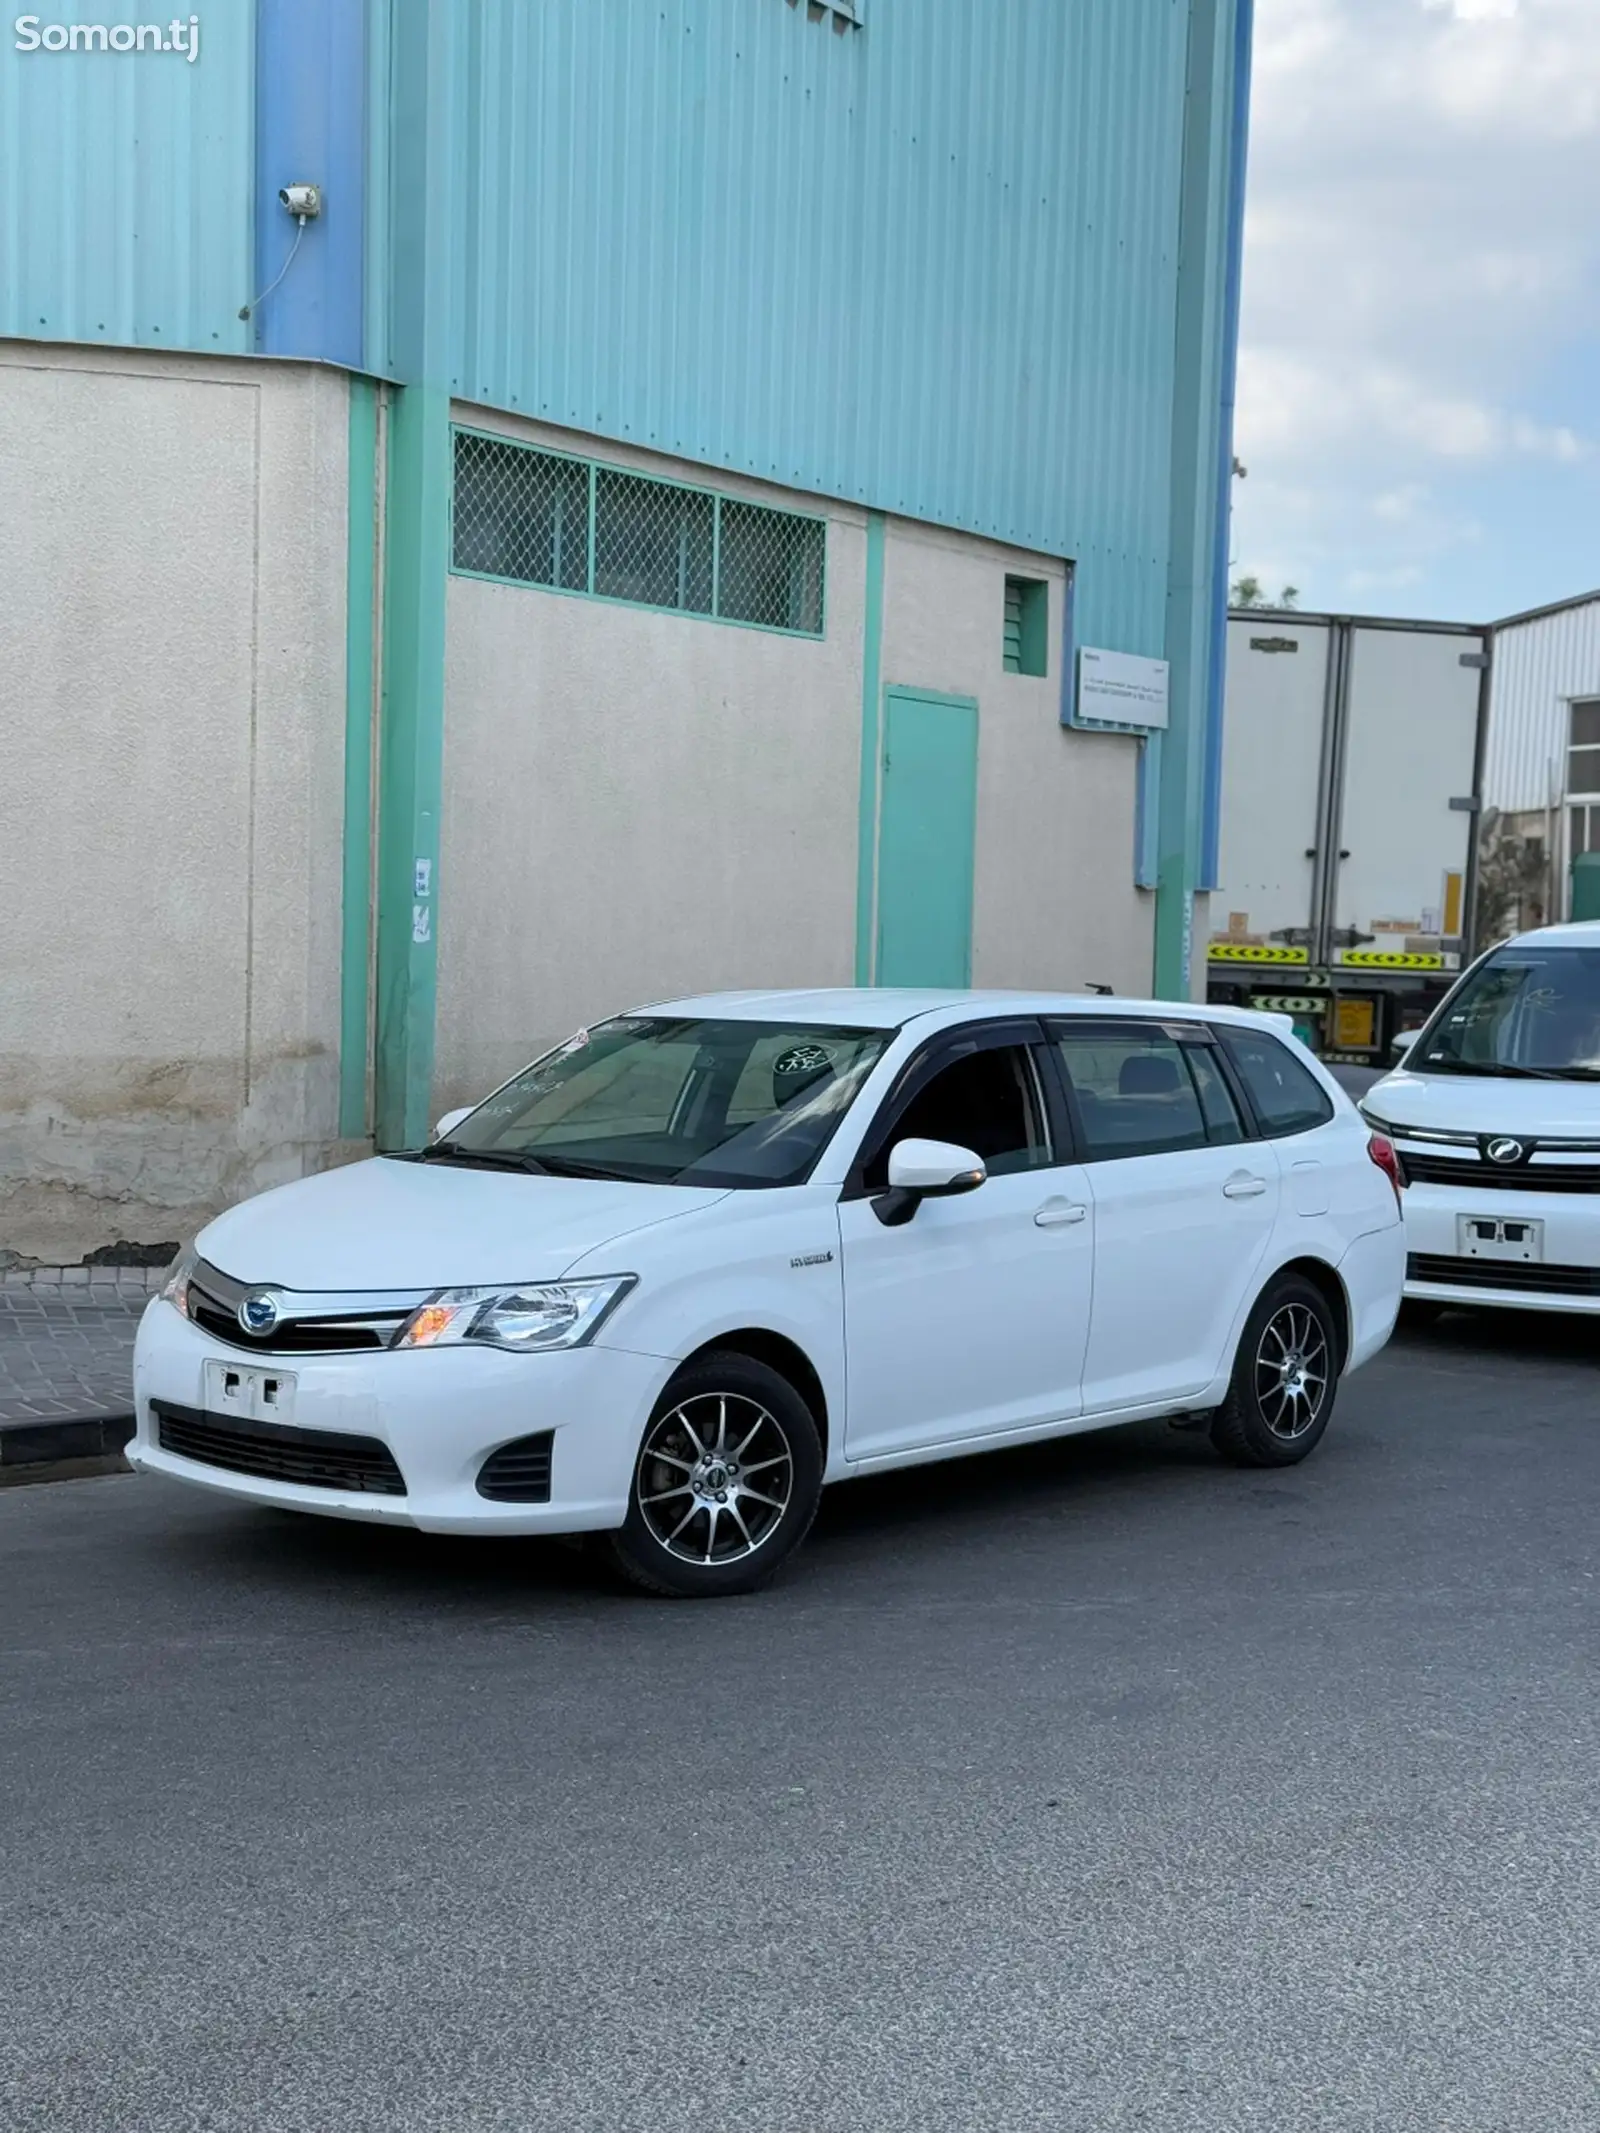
(1419, 364)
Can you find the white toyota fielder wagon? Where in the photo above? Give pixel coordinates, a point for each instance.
(707, 1257)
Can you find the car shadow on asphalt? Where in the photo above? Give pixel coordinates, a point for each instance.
(1539, 1336)
(281, 1554)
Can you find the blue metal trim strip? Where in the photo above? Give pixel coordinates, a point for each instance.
(311, 129)
(1216, 686)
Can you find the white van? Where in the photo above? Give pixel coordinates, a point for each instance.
(1496, 1116)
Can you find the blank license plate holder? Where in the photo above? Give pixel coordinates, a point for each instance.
(1501, 1237)
(247, 1393)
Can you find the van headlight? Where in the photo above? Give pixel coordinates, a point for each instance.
(530, 1317)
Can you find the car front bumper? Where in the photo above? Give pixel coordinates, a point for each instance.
(440, 1412)
(1566, 1276)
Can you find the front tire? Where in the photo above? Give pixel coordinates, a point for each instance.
(726, 1483)
(1285, 1378)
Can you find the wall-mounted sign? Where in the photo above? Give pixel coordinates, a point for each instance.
(181, 35)
(1120, 689)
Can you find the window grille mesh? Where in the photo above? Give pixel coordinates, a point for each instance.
(521, 514)
(770, 568)
(653, 543)
(538, 518)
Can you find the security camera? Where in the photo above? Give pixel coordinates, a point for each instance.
(302, 200)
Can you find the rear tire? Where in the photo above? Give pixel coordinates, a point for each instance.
(726, 1484)
(1285, 1378)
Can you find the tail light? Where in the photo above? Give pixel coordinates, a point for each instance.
(1387, 1157)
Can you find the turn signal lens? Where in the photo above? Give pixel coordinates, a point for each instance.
(431, 1324)
(175, 1289)
(1387, 1157)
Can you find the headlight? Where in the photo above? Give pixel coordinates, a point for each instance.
(528, 1316)
(175, 1289)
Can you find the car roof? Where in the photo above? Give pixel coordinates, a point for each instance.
(890, 1007)
(1577, 933)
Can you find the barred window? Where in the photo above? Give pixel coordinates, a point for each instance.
(539, 518)
(521, 514)
(653, 542)
(771, 568)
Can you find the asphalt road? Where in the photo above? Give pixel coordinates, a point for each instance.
(1099, 1787)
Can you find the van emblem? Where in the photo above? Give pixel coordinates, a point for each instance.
(260, 1312)
(1505, 1151)
(813, 1259)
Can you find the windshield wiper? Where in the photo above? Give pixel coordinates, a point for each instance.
(455, 1152)
(567, 1166)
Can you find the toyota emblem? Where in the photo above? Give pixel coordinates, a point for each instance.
(260, 1312)
(1505, 1151)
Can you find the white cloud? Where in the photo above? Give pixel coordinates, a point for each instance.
(1473, 10)
(1422, 277)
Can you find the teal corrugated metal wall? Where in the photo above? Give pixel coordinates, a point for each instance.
(930, 264)
(125, 188)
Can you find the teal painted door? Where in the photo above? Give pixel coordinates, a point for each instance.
(926, 835)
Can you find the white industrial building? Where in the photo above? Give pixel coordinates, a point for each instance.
(1541, 773)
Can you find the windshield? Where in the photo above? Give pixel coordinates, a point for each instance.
(666, 1101)
(1531, 1010)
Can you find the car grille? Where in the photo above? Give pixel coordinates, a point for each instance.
(1536, 1277)
(1491, 1177)
(519, 1472)
(215, 1297)
(311, 1458)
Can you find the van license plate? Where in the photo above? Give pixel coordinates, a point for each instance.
(250, 1395)
(1498, 1237)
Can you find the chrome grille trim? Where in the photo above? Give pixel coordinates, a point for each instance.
(312, 1322)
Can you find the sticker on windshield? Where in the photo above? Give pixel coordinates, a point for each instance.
(804, 1059)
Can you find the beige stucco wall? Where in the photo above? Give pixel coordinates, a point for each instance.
(1054, 906)
(638, 805)
(171, 717)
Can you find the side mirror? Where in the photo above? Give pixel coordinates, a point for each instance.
(448, 1124)
(1403, 1043)
(925, 1170)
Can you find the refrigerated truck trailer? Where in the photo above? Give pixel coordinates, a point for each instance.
(1352, 768)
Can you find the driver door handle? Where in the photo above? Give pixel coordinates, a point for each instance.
(1056, 1214)
(1244, 1187)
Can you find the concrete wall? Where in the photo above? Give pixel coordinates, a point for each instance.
(172, 652)
(1054, 906)
(638, 804)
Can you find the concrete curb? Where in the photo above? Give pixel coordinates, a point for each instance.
(25, 1446)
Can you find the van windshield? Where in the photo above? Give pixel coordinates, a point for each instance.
(666, 1100)
(1525, 1012)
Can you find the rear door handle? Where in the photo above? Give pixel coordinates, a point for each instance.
(1056, 1214)
(1245, 1188)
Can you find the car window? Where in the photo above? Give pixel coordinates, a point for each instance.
(1140, 1091)
(1286, 1097)
(669, 1100)
(987, 1101)
(1527, 1010)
